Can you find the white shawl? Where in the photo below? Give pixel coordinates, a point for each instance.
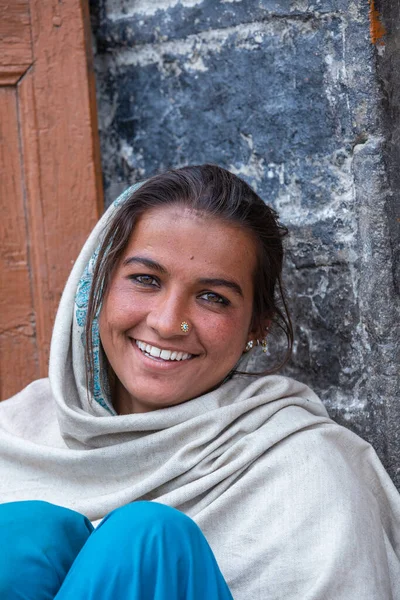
(293, 505)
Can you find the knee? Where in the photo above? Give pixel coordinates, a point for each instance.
(32, 509)
(150, 517)
(42, 541)
(31, 516)
(148, 532)
(26, 509)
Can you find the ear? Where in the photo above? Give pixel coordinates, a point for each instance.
(261, 332)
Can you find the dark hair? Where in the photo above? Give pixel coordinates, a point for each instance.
(212, 190)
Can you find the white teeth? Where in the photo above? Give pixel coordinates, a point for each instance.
(164, 354)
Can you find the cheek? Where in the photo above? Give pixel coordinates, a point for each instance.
(121, 310)
(112, 321)
(228, 335)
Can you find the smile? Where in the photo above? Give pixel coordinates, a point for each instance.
(155, 352)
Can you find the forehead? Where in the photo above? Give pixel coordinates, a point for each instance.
(180, 237)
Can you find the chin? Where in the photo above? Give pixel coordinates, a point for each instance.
(146, 402)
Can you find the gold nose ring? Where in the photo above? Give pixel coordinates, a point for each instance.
(185, 327)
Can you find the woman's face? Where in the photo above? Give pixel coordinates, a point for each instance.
(179, 266)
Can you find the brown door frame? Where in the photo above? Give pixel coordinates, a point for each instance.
(50, 187)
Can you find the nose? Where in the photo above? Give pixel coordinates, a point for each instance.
(167, 315)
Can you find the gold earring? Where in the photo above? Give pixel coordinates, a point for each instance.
(263, 344)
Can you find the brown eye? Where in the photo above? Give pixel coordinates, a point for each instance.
(147, 280)
(214, 298)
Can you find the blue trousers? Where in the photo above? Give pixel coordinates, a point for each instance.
(142, 551)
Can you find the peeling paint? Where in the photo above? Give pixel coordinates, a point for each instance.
(210, 42)
(253, 170)
(377, 28)
(116, 9)
(195, 63)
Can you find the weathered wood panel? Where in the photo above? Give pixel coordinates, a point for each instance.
(15, 40)
(18, 352)
(70, 185)
(45, 51)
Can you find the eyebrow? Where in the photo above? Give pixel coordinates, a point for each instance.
(146, 262)
(235, 287)
(207, 281)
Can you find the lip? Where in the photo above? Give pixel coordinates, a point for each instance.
(159, 364)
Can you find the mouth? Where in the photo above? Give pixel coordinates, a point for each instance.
(162, 353)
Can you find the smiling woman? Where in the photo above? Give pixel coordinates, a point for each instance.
(151, 291)
(198, 246)
(159, 391)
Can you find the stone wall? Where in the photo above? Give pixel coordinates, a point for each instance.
(297, 99)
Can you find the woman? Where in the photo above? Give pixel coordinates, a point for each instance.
(156, 392)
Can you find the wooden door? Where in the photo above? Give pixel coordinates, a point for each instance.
(50, 182)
